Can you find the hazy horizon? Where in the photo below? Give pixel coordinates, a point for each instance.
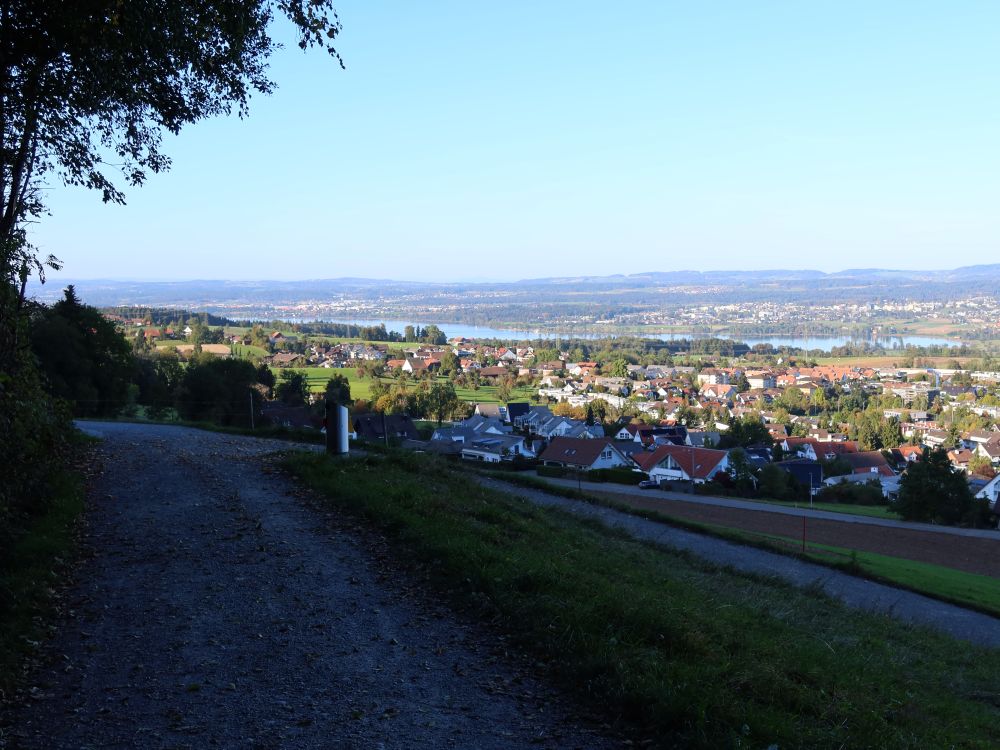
(65, 277)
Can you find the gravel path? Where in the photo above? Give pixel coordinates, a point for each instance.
(214, 610)
(856, 592)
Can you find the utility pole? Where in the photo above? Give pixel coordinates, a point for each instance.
(691, 466)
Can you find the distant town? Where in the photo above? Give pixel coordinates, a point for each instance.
(866, 307)
(728, 419)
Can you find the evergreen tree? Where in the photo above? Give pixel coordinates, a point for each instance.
(338, 390)
(83, 356)
(933, 490)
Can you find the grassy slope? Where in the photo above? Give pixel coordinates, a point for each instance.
(958, 587)
(696, 655)
(29, 571)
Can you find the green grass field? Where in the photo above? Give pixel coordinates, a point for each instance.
(361, 387)
(317, 377)
(686, 653)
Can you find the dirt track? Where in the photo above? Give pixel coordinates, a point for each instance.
(214, 609)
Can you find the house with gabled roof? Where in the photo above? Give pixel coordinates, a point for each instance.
(718, 392)
(580, 453)
(935, 438)
(535, 416)
(496, 448)
(713, 376)
(517, 409)
(989, 451)
(990, 492)
(960, 459)
(586, 431)
(682, 463)
(627, 431)
(492, 411)
(778, 432)
(905, 454)
(807, 472)
(581, 369)
(868, 462)
(471, 429)
(555, 427)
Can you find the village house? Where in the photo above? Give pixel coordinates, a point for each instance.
(577, 453)
(683, 463)
(473, 428)
(761, 379)
(534, 416)
(496, 448)
(868, 462)
(990, 492)
(713, 376)
(581, 369)
(718, 392)
(960, 459)
(492, 411)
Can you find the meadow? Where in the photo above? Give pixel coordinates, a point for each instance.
(686, 653)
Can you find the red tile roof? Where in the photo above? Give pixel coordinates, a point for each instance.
(695, 462)
(576, 451)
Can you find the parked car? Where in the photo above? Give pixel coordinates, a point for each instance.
(649, 484)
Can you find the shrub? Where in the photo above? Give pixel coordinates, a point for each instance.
(853, 493)
(616, 476)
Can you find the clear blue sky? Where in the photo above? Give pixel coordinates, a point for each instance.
(470, 141)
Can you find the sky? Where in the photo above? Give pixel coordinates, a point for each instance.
(499, 141)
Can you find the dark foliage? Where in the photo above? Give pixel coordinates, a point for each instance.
(853, 493)
(338, 389)
(85, 359)
(932, 490)
(219, 390)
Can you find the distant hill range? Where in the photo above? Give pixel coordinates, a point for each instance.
(856, 284)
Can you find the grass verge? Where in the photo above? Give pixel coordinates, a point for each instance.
(31, 569)
(978, 592)
(695, 655)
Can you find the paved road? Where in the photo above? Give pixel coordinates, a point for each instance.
(728, 502)
(856, 592)
(214, 609)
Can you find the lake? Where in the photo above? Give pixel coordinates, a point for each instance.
(825, 343)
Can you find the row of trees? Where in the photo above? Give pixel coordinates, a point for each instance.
(422, 398)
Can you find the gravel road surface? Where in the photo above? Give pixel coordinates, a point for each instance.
(213, 609)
